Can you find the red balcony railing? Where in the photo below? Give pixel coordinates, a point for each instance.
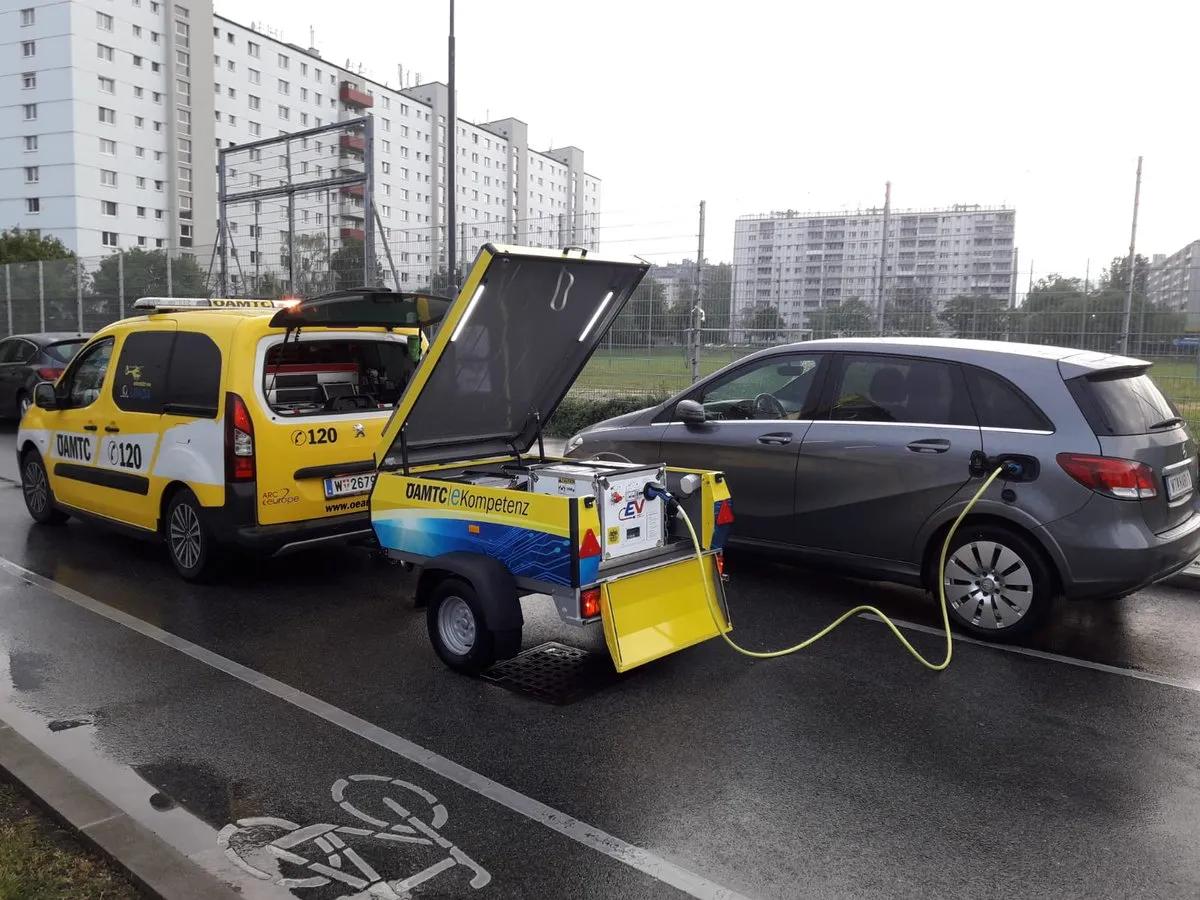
(352, 96)
(353, 190)
(357, 233)
(355, 142)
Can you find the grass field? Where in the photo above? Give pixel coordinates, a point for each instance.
(662, 371)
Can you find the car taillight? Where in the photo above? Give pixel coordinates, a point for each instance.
(47, 373)
(239, 440)
(1125, 479)
(589, 603)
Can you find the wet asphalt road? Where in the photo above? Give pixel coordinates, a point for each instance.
(844, 771)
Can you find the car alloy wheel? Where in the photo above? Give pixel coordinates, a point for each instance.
(988, 585)
(456, 625)
(185, 535)
(37, 489)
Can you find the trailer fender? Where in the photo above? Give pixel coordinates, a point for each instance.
(495, 585)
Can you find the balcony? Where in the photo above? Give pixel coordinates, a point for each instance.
(352, 96)
(353, 190)
(354, 143)
(353, 233)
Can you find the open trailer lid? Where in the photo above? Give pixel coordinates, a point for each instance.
(514, 340)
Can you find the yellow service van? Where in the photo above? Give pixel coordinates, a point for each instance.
(226, 422)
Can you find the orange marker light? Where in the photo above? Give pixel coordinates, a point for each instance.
(473, 528)
(589, 603)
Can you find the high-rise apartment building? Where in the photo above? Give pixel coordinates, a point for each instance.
(1173, 281)
(800, 262)
(110, 127)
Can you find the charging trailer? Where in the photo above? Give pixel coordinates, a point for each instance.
(465, 492)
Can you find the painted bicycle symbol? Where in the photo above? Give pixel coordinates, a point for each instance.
(330, 855)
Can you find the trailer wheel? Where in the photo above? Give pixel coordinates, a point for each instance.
(459, 632)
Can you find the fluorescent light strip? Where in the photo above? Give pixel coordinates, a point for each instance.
(466, 315)
(596, 315)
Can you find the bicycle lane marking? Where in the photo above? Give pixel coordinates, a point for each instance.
(639, 858)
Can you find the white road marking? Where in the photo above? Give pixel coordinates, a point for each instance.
(1193, 686)
(581, 832)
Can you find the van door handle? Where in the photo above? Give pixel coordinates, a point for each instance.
(89, 427)
(111, 429)
(777, 438)
(930, 445)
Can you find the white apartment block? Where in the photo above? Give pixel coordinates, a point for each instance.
(799, 262)
(109, 132)
(1173, 281)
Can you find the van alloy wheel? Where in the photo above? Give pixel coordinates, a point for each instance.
(185, 535)
(988, 585)
(37, 490)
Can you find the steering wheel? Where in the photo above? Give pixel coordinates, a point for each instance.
(767, 406)
(350, 401)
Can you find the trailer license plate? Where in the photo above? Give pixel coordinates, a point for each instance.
(1179, 484)
(343, 485)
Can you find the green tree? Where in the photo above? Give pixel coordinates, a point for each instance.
(346, 264)
(980, 318)
(852, 317)
(909, 312)
(1116, 276)
(764, 324)
(312, 265)
(644, 318)
(18, 246)
(145, 275)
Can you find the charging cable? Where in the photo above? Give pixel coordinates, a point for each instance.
(653, 490)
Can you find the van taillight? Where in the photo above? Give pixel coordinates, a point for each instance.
(239, 440)
(1124, 479)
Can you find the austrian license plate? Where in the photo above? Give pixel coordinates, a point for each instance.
(344, 485)
(1179, 484)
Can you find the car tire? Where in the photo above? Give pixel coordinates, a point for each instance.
(39, 496)
(998, 583)
(189, 540)
(458, 629)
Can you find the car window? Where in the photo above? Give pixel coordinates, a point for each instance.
(140, 379)
(25, 352)
(1000, 404)
(63, 351)
(900, 389)
(1123, 401)
(774, 388)
(87, 375)
(8, 350)
(194, 376)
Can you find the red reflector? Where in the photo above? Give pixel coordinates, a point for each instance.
(589, 603)
(590, 546)
(720, 560)
(48, 374)
(725, 512)
(1125, 479)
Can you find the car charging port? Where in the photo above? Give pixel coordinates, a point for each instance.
(1015, 467)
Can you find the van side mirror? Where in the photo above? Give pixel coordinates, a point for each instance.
(44, 396)
(689, 412)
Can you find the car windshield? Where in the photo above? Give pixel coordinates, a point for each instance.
(63, 351)
(327, 376)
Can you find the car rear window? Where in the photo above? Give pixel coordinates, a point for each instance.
(336, 375)
(63, 351)
(1124, 401)
(1000, 404)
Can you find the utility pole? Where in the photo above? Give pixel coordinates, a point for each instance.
(887, 214)
(1137, 196)
(698, 307)
(1087, 277)
(451, 165)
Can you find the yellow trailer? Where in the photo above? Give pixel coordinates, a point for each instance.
(465, 492)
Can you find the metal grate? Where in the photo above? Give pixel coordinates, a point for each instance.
(553, 673)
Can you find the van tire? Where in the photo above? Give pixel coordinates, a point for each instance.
(189, 540)
(39, 496)
(1020, 577)
(458, 631)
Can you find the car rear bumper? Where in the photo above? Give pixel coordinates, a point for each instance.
(235, 524)
(1105, 549)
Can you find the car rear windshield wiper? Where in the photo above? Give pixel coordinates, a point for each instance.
(1167, 423)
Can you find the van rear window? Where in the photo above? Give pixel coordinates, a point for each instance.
(336, 375)
(1124, 401)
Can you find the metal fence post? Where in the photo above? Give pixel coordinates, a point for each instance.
(41, 298)
(79, 295)
(8, 296)
(697, 306)
(121, 285)
(170, 282)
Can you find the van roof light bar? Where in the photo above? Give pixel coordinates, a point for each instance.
(178, 304)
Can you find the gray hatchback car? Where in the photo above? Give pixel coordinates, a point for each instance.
(856, 453)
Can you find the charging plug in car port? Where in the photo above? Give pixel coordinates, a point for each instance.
(1016, 466)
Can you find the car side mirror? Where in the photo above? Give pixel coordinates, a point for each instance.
(689, 412)
(44, 396)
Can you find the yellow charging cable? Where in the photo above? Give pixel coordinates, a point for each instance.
(715, 612)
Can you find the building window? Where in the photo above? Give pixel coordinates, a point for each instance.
(33, 204)
(253, 101)
(283, 86)
(255, 129)
(29, 81)
(107, 147)
(232, 120)
(108, 238)
(107, 85)
(253, 75)
(104, 21)
(31, 175)
(137, 61)
(31, 142)
(28, 48)
(30, 110)
(105, 52)
(284, 112)
(283, 61)
(141, 184)
(28, 16)
(139, 122)
(108, 178)
(137, 30)
(252, 48)
(108, 207)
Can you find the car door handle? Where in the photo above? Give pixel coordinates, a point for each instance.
(111, 429)
(930, 445)
(89, 427)
(777, 438)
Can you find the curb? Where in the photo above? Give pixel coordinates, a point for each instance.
(150, 862)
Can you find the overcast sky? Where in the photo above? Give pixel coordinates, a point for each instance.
(755, 106)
